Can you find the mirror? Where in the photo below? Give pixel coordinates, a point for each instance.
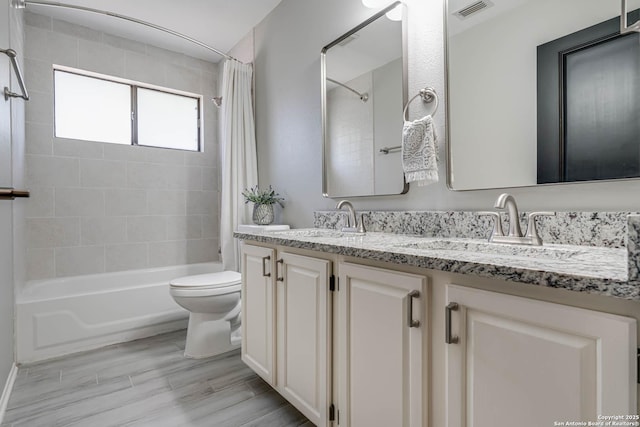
(541, 92)
(363, 94)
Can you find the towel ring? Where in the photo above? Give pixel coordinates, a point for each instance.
(428, 94)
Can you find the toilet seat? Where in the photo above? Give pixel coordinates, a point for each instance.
(210, 284)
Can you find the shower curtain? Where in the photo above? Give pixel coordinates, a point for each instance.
(239, 166)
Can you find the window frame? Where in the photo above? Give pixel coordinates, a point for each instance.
(133, 108)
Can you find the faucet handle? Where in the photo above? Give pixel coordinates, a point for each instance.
(497, 223)
(360, 226)
(532, 231)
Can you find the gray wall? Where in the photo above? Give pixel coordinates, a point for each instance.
(99, 207)
(288, 121)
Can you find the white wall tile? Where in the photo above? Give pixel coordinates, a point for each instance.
(79, 260)
(105, 207)
(77, 31)
(122, 43)
(103, 59)
(146, 228)
(39, 74)
(78, 202)
(40, 263)
(77, 148)
(202, 250)
(103, 230)
(52, 171)
(210, 226)
(38, 21)
(40, 203)
(39, 108)
(146, 175)
(210, 179)
(167, 202)
(144, 68)
(183, 177)
(103, 173)
(52, 232)
(122, 202)
(38, 139)
(126, 257)
(167, 253)
(184, 227)
(183, 78)
(201, 202)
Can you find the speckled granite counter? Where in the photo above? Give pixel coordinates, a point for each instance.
(596, 270)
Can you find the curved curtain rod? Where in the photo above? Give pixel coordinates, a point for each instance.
(364, 97)
(21, 4)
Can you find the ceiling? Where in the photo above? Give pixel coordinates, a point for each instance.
(217, 23)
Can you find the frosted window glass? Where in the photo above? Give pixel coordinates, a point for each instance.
(92, 109)
(167, 120)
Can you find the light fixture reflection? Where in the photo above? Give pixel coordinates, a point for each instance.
(395, 14)
(375, 3)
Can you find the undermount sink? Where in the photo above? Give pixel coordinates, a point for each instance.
(309, 232)
(444, 245)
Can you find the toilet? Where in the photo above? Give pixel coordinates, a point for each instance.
(213, 301)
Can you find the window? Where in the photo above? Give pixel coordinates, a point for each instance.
(104, 109)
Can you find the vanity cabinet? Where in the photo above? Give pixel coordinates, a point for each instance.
(517, 361)
(258, 311)
(369, 348)
(381, 338)
(286, 326)
(361, 362)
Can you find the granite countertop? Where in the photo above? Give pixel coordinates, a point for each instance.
(596, 270)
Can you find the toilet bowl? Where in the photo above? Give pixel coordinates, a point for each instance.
(213, 301)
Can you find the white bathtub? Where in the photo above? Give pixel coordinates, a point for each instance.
(62, 316)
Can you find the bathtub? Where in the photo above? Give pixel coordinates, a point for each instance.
(61, 316)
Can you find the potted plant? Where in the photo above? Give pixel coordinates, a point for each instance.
(263, 201)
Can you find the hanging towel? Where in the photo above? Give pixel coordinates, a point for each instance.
(419, 151)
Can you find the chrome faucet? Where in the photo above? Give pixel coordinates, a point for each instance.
(353, 225)
(514, 236)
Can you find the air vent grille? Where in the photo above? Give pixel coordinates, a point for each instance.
(476, 7)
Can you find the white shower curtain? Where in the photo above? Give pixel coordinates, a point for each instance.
(239, 165)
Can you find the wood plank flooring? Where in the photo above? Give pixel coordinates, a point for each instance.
(146, 383)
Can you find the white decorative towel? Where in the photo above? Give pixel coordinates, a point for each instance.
(419, 151)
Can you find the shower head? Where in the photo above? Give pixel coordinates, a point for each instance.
(217, 100)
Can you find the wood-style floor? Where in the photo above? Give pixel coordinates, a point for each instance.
(146, 383)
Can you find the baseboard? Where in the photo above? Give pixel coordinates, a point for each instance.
(6, 393)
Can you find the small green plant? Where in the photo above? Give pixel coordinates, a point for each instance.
(262, 197)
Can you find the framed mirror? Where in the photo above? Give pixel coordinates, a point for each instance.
(363, 93)
(541, 92)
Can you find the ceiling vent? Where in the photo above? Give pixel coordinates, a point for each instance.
(473, 8)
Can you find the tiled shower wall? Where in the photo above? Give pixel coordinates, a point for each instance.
(99, 207)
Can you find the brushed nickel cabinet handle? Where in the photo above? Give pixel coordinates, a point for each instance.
(410, 321)
(452, 306)
(279, 278)
(264, 266)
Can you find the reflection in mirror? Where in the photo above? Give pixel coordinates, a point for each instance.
(363, 95)
(530, 104)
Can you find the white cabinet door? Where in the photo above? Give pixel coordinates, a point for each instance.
(303, 334)
(530, 363)
(258, 311)
(381, 358)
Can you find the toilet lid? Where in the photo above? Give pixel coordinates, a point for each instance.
(209, 280)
